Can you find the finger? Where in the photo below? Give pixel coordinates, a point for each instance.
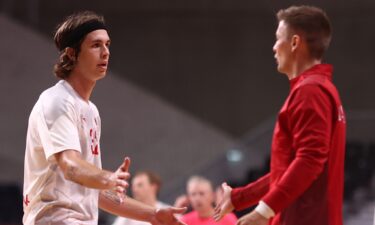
(121, 183)
(123, 175)
(120, 189)
(178, 210)
(240, 221)
(218, 208)
(217, 217)
(224, 185)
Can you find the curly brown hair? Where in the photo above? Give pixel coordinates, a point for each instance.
(65, 64)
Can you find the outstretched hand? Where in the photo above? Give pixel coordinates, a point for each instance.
(121, 177)
(166, 216)
(225, 206)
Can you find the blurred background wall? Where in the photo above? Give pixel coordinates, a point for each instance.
(193, 87)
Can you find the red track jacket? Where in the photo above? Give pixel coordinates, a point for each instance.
(305, 184)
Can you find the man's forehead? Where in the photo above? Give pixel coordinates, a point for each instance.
(141, 178)
(281, 28)
(199, 185)
(98, 35)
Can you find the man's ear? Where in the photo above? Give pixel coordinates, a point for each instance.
(71, 53)
(155, 188)
(295, 42)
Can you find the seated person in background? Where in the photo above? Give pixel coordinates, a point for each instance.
(145, 187)
(201, 197)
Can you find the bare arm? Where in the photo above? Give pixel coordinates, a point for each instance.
(110, 202)
(130, 208)
(82, 172)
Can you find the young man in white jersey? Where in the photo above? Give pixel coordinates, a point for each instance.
(63, 179)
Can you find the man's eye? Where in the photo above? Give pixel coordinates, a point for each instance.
(96, 45)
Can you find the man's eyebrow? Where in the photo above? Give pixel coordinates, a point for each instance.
(100, 40)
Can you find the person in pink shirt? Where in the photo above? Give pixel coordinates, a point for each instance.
(201, 198)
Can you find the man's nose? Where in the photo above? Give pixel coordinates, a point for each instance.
(105, 53)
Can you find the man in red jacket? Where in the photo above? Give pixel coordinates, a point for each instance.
(305, 184)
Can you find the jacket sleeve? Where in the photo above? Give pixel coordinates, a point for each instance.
(310, 122)
(249, 195)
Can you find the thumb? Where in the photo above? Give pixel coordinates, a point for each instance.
(125, 165)
(178, 210)
(224, 185)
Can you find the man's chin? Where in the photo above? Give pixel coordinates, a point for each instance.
(101, 75)
(280, 69)
(197, 207)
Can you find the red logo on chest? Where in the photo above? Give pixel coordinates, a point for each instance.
(94, 142)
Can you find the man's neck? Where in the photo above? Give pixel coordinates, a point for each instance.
(301, 66)
(81, 85)
(206, 213)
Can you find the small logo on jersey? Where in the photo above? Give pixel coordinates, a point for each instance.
(83, 119)
(26, 200)
(341, 114)
(94, 142)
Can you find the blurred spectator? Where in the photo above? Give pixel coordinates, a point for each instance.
(145, 188)
(201, 197)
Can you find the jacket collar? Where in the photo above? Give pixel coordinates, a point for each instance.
(319, 69)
